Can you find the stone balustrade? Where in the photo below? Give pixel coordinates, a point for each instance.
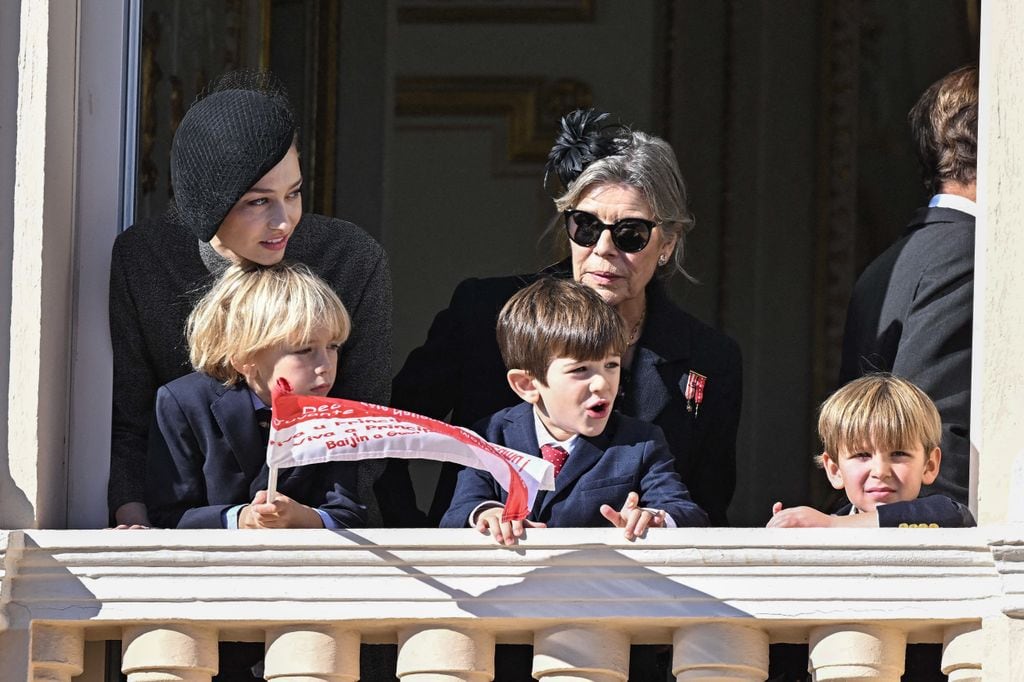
(580, 597)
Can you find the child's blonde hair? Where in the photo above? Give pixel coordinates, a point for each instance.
(880, 410)
(252, 308)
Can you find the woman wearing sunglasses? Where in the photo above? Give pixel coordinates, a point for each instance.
(622, 205)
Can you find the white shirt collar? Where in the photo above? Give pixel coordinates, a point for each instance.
(545, 438)
(954, 201)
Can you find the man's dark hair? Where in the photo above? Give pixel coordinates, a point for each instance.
(944, 125)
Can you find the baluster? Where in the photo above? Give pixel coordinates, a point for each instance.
(962, 647)
(719, 651)
(312, 654)
(58, 652)
(169, 653)
(1003, 648)
(855, 651)
(575, 654)
(435, 654)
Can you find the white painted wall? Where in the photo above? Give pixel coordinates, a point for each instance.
(10, 23)
(102, 138)
(40, 282)
(997, 390)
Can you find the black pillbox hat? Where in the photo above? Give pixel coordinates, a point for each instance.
(229, 139)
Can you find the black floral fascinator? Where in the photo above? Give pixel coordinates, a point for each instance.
(583, 137)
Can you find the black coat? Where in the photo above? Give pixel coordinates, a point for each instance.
(459, 371)
(911, 314)
(207, 454)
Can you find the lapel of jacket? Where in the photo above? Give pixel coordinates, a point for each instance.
(661, 356)
(236, 418)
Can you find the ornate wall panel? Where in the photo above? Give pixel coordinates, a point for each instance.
(531, 106)
(186, 43)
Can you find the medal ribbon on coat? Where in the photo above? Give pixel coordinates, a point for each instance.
(695, 392)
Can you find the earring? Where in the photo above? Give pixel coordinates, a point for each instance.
(662, 259)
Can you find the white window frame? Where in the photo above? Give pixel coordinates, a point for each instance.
(109, 33)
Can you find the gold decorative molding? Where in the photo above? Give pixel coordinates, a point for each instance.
(495, 11)
(313, 85)
(973, 12)
(325, 88)
(531, 105)
(150, 75)
(172, 72)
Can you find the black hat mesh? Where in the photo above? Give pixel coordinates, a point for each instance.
(234, 133)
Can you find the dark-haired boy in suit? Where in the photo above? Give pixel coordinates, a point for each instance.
(562, 345)
(881, 438)
(206, 466)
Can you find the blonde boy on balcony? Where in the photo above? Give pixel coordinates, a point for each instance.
(206, 466)
(562, 345)
(881, 438)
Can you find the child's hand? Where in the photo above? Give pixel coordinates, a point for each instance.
(798, 517)
(636, 520)
(283, 512)
(503, 532)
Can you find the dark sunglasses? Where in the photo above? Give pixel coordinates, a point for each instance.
(629, 234)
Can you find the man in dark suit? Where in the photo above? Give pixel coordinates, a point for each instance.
(911, 310)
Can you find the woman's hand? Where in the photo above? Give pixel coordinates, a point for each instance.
(503, 532)
(633, 518)
(283, 512)
(131, 516)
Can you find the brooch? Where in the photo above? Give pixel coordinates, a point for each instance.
(695, 392)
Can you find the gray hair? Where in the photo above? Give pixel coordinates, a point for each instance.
(648, 164)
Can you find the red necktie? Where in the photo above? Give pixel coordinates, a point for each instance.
(554, 454)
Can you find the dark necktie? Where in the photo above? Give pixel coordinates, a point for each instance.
(554, 454)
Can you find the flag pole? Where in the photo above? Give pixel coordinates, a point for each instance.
(271, 484)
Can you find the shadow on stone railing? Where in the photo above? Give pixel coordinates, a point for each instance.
(581, 597)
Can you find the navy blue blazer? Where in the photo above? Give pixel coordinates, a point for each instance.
(630, 455)
(911, 314)
(934, 509)
(458, 372)
(207, 454)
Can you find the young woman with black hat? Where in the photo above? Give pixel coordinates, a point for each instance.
(236, 180)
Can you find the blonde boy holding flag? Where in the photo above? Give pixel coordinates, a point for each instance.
(206, 466)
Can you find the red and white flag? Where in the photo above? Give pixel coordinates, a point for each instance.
(310, 430)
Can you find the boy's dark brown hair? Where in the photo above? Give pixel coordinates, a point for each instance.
(557, 318)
